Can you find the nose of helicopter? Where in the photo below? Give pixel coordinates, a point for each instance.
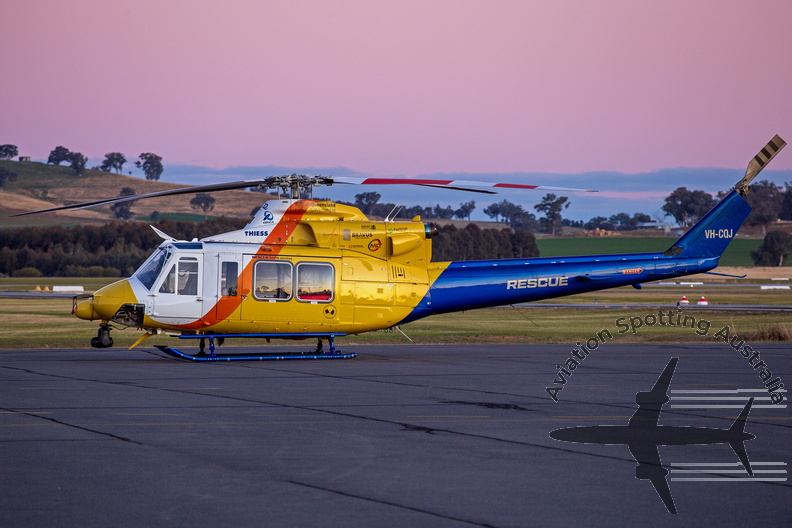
(105, 302)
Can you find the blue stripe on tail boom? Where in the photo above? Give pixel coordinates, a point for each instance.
(468, 285)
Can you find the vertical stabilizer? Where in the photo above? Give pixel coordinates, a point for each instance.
(738, 443)
(711, 235)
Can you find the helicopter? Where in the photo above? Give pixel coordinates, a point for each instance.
(305, 268)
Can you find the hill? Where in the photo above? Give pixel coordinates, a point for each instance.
(39, 186)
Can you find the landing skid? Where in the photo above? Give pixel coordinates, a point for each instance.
(212, 356)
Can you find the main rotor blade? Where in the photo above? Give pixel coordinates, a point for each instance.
(295, 182)
(459, 185)
(185, 190)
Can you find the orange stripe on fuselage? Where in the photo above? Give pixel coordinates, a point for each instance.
(227, 305)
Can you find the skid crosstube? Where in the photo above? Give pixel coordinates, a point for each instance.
(332, 354)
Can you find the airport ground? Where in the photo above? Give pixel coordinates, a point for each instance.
(421, 435)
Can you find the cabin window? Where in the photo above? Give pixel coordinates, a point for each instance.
(229, 274)
(182, 277)
(150, 270)
(315, 282)
(272, 280)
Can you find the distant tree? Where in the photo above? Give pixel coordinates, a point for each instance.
(77, 162)
(493, 211)
(366, 201)
(123, 210)
(774, 249)
(6, 175)
(113, 161)
(151, 165)
(512, 214)
(442, 212)
(28, 271)
(8, 151)
(687, 206)
(765, 198)
(625, 222)
(621, 221)
(566, 222)
(502, 211)
(58, 155)
(204, 202)
(552, 206)
(599, 222)
(785, 211)
(524, 220)
(463, 213)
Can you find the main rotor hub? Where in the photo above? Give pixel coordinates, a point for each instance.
(294, 185)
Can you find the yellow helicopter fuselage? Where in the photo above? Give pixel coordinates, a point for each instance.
(299, 267)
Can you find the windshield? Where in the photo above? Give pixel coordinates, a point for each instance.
(151, 269)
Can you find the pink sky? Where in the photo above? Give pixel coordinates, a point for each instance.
(401, 87)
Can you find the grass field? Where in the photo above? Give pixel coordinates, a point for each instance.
(737, 254)
(48, 323)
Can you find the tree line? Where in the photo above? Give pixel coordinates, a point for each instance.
(769, 202)
(119, 248)
(474, 243)
(112, 250)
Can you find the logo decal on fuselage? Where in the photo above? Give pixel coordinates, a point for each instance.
(545, 282)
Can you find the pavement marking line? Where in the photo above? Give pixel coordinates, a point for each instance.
(311, 388)
(716, 464)
(723, 391)
(771, 406)
(147, 414)
(741, 471)
(719, 398)
(53, 388)
(727, 479)
(187, 388)
(445, 416)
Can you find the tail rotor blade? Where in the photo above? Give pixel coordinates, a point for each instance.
(759, 161)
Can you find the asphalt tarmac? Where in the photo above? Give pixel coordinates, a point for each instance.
(447, 436)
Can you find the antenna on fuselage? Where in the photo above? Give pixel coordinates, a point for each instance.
(396, 210)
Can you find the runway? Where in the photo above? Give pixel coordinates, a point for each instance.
(448, 436)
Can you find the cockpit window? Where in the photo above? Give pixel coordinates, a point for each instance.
(151, 269)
